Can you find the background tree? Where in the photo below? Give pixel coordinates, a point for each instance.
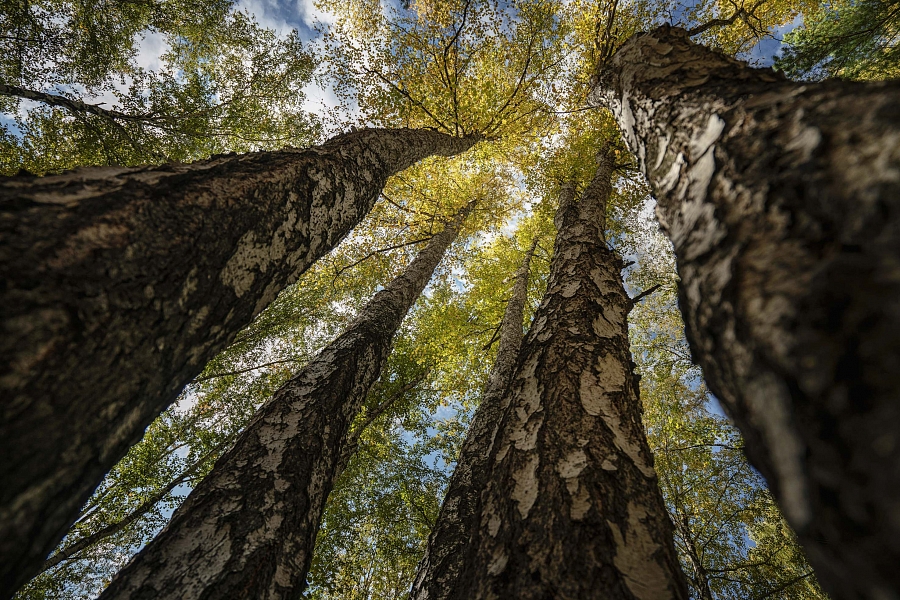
(72, 83)
(851, 40)
(457, 524)
(570, 472)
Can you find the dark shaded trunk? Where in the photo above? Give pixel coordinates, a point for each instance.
(119, 284)
(248, 529)
(572, 509)
(782, 200)
(439, 574)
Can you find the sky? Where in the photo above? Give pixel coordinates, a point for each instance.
(301, 15)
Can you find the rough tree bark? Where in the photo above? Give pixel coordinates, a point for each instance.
(573, 509)
(782, 200)
(248, 530)
(438, 576)
(119, 284)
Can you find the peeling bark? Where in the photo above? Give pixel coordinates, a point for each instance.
(782, 200)
(572, 509)
(439, 573)
(119, 284)
(248, 530)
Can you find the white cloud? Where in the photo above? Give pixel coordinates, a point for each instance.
(319, 98)
(311, 14)
(285, 15)
(150, 50)
(268, 13)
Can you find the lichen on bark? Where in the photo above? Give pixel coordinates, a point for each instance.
(249, 528)
(782, 200)
(121, 283)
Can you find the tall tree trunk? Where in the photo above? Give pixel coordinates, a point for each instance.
(119, 284)
(440, 571)
(782, 200)
(700, 580)
(573, 509)
(248, 529)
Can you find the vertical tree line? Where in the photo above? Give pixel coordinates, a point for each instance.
(780, 199)
(96, 263)
(783, 214)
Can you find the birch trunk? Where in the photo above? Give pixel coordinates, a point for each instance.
(121, 283)
(440, 573)
(782, 200)
(248, 530)
(573, 509)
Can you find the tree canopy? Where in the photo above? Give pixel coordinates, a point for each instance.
(852, 40)
(74, 93)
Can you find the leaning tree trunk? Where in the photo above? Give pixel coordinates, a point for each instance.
(439, 574)
(782, 200)
(248, 529)
(119, 284)
(572, 508)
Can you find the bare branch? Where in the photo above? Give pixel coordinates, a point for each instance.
(353, 439)
(247, 370)
(644, 294)
(739, 13)
(378, 251)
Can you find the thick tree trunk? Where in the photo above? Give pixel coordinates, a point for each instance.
(573, 509)
(119, 284)
(782, 200)
(248, 529)
(439, 574)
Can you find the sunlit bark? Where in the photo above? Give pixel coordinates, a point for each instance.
(782, 200)
(119, 284)
(248, 530)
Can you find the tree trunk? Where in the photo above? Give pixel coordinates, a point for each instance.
(573, 509)
(782, 200)
(119, 284)
(248, 529)
(439, 573)
(700, 580)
